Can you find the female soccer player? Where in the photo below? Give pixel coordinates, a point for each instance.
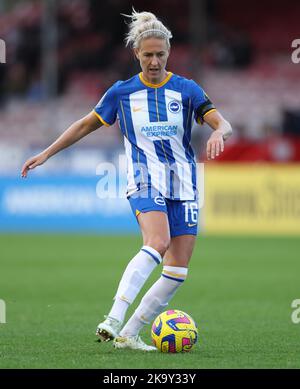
(155, 110)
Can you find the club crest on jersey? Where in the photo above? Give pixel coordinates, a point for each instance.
(174, 106)
(159, 200)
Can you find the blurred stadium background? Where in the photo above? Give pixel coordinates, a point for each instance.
(61, 56)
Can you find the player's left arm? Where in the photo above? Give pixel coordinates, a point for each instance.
(222, 131)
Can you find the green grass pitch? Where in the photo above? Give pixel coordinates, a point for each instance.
(58, 287)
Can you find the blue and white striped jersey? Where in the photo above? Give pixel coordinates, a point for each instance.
(156, 121)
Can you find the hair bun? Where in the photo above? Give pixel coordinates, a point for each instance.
(145, 25)
(143, 17)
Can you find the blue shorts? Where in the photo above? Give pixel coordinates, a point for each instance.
(182, 214)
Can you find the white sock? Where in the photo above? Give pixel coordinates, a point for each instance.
(119, 309)
(156, 299)
(135, 275)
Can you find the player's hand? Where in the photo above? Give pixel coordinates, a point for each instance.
(33, 162)
(215, 145)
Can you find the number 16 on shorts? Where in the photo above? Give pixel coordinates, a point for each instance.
(190, 212)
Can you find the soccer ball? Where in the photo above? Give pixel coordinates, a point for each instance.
(174, 331)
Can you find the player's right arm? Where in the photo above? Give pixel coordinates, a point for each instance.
(73, 134)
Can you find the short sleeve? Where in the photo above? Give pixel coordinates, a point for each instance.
(201, 102)
(106, 109)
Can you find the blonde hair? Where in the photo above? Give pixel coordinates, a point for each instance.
(145, 25)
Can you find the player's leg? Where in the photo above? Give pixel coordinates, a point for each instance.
(180, 251)
(174, 273)
(158, 296)
(156, 238)
(155, 230)
(176, 260)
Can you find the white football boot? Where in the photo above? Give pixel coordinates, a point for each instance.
(108, 329)
(133, 342)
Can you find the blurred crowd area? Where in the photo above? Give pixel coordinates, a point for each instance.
(242, 59)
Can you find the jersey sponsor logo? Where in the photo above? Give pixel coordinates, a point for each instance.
(192, 224)
(159, 130)
(159, 200)
(174, 106)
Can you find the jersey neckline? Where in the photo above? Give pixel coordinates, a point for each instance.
(147, 83)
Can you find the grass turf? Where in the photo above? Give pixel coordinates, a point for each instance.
(57, 288)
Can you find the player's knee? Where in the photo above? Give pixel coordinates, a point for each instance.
(160, 244)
